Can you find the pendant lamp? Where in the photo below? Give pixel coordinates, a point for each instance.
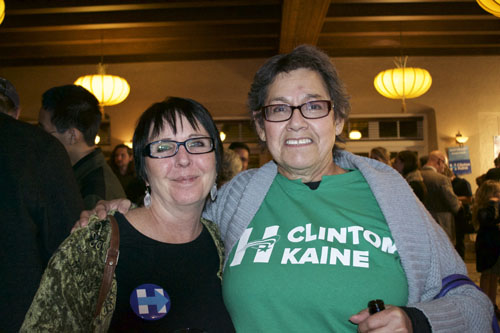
(403, 82)
(108, 89)
(2, 11)
(491, 6)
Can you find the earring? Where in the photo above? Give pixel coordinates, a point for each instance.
(147, 197)
(213, 192)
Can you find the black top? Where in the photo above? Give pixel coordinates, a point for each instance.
(488, 237)
(39, 203)
(187, 273)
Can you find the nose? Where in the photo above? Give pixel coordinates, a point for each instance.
(182, 158)
(297, 121)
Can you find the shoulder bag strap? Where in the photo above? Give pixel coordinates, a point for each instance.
(110, 265)
(456, 280)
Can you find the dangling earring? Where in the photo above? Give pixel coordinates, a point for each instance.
(213, 192)
(147, 197)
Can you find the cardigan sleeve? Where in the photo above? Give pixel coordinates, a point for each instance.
(463, 309)
(426, 253)
(67, 295)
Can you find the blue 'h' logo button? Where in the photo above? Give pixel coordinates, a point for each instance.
(150, 302)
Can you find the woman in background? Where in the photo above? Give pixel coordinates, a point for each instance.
(486, 215)
(380, 154)
(406, 164)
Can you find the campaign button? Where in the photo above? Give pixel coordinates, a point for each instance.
(150, 302)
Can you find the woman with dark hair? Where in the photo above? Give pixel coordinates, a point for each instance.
(169, 269)
(406, 164)
(122, 164)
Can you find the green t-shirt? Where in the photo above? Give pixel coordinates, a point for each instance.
(312, 258)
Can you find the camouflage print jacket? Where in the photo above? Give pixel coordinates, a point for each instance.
(67, 296)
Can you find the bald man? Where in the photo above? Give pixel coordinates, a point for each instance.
(441, 201)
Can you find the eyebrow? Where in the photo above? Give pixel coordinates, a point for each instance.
(286, 101)
(191, 136)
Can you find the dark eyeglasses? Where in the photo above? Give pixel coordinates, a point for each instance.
(308, 110)
(168, 148)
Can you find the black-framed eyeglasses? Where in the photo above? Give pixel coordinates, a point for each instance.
(168, 148)
(308, 110)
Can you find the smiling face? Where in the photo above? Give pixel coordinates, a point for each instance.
(184, 179)
(302, 148)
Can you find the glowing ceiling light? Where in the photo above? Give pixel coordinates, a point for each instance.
(491, 6)
(2, 11)
(108, 89)
(403, 82)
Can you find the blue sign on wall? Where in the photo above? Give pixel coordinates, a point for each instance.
(459, 160)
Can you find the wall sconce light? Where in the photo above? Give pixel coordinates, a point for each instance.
(222, 136)
(128, 144)
(97, 139)
(355, 135)
(460, 139)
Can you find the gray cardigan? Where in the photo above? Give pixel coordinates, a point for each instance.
(427, 256)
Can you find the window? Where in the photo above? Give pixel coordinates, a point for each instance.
(390, 128)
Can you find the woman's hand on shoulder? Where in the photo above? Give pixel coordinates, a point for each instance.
(101, 210)
(392, 319)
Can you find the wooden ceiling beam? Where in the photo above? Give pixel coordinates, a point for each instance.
(301, 22)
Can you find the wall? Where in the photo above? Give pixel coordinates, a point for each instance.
(465, 93)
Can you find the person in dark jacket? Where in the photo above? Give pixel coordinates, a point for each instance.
(71, 114)
(39, 202)
(486, 215)
(122, 164)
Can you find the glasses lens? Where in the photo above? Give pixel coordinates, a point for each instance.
(277, 112)
(163, 148)
(315, 109)
(199, 145)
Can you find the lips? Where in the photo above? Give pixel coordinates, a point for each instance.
(296, 142)
(185, 179)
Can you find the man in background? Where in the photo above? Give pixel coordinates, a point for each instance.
(243, 152)
(71, 113)
(39, 203)
(441, 201)
(463, 219)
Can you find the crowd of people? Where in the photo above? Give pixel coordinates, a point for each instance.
(215, 247)
(450, 200)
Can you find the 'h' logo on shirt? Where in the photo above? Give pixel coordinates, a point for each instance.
(264, 246)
